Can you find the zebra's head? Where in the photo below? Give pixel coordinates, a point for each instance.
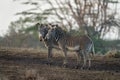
(42, 30)
(51, 34)
(55, 33)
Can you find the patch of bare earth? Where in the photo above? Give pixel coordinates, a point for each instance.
(24, 64)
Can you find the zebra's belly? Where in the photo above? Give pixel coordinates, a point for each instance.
(73, 48)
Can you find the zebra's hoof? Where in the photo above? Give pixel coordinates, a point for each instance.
(76, 67)
(83, 68)
(49, 63)
(88, 68)
(64, 65)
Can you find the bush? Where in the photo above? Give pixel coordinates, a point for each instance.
(112, 53)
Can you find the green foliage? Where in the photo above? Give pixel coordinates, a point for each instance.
(103, 46)
(99, 45)
(23, 40)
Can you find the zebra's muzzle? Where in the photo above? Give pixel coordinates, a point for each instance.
(40, 38)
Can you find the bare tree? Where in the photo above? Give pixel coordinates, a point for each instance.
(80, 14)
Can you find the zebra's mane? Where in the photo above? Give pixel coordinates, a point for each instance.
(59, 32)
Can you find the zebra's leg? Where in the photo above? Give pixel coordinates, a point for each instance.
(84, 59)
(78, 59)
(89, 60)
(49, 55)
(65, 55)
(89, 49)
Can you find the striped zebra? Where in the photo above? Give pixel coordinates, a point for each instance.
(55, 37)
(42, 33)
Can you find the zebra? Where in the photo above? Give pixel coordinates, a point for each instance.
(42, 32)
(57, 38)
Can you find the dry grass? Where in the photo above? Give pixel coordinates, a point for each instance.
(31, 51)
(3, 77)
(112, 54)
(28, 64)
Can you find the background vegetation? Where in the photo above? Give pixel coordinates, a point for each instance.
(93, 17)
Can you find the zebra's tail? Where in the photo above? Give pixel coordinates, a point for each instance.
(93, 50)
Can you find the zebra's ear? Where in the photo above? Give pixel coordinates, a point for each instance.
(37, 24)
(56, 25)
(49, 26)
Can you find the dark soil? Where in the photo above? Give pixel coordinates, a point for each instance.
(27, 65)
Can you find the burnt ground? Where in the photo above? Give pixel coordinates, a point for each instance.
(17, 64)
